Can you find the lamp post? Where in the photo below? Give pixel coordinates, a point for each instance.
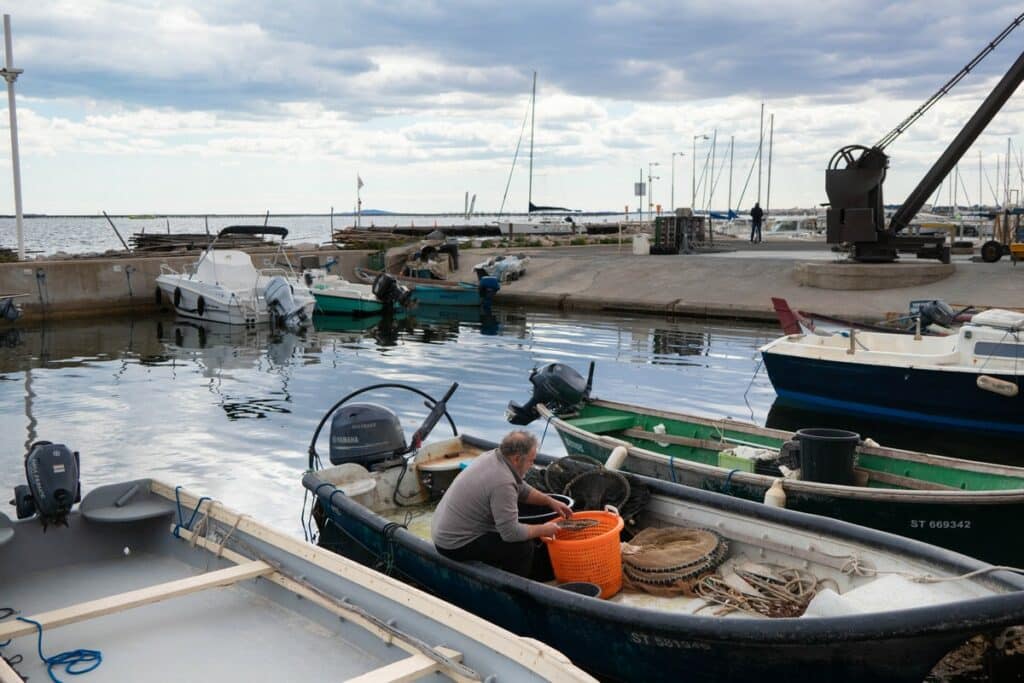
(693, 170)
(650, 185)
(673, 200)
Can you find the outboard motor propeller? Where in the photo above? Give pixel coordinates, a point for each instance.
(389, 291)
(558, 387)
(52, 472)
(282, 304)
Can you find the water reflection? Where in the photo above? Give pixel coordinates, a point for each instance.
(229, 411)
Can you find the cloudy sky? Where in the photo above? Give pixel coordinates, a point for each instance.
(180, 107)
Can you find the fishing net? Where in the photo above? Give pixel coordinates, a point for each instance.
(670, 561)
(768, 590)
(591, 485)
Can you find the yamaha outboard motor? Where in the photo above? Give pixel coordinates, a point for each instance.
(389, 292)
(366, 434)
(558, 387)
(282, 304)
(53, 486)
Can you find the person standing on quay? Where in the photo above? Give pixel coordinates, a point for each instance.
(756, 215)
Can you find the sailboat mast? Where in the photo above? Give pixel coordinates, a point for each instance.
(533, 111)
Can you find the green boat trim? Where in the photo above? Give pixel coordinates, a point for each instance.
(337, 304)
(692, 443)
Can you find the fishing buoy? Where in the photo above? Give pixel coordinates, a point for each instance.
(775, 496)
(997, 386)
(617, 457)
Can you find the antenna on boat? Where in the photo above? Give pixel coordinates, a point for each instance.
(590, 378)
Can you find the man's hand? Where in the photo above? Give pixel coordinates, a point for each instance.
(546, 530)
(561, 508)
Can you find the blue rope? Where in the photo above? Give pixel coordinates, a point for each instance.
(728, 481)
(75, 662)
(181, 523)
(672, 467)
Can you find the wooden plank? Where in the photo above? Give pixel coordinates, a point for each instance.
(905, 482)
(408, 669)
(705, 444)
(136, 598)
(328, 603)
(8, 674)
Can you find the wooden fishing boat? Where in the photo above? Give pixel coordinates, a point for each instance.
(895, 607)
(180, 587)
(958, 504)
(433, 292)
(966, 381)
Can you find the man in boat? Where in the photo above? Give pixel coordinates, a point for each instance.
(478, 516)
(756, 215)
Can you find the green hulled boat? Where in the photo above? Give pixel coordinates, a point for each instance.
(963, 505)
(336, 296)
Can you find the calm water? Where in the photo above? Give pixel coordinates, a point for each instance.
(230, 412)
(86, 234)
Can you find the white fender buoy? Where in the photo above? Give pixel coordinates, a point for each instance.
(997, 386)
(775, 496)
(617, 457)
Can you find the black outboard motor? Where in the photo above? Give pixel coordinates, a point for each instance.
(936, 312)
(53, 484)
(367, 434)
(389, 292)
(557, 386)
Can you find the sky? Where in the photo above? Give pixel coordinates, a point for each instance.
(228, 106)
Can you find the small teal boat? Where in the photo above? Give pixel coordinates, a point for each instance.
(435, 292)
(336, 296)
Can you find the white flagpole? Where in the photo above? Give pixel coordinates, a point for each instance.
(10, 74)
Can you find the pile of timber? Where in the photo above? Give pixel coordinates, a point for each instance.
(153, 241)
(357, 239)
(8, 255)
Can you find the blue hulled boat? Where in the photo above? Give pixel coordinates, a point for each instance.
(967, 381)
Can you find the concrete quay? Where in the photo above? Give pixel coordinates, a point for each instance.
(87, 287)
(738, 283)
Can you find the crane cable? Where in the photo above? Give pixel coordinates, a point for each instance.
(920, 111)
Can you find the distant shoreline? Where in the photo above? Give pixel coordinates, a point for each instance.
(365, 214)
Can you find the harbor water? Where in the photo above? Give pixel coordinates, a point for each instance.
(230, 411)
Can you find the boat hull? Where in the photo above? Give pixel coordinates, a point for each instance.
(464, 294)
(975, 527)
(616, 642)
(935, 398)
(332, 304)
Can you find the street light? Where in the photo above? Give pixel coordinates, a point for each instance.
(673, 200)
(693, 171)
(650, 185)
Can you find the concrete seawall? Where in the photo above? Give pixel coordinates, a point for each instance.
(104, 286)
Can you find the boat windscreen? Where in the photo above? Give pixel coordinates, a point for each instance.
(253, 230)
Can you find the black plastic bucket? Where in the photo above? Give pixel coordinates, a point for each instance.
(827, 455)
(591, 590)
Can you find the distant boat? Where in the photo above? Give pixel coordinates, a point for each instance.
(224, 286)
(544, 225)
(969, 380)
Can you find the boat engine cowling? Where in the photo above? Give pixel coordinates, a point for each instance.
(366, 434)
(558, 387)
(936, 312)
(390, 292)
(52, 473)
(280, 300)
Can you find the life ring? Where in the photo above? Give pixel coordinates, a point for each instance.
(201, 306)
(177, 297)
(158, 297)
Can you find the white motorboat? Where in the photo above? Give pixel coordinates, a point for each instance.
(968, 380)
(225, 287)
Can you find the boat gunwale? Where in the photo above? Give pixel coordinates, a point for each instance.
(993, 497)
(946, 618)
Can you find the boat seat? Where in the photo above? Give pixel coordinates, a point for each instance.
(130, 501)
(6, 529)
(602, 424)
